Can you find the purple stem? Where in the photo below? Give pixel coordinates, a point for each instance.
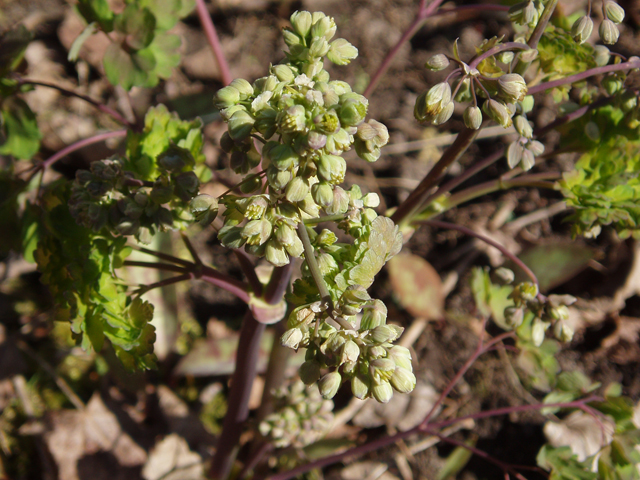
(497, 49)
(471, 8)
(278, 283)
(584, 75)
(236, 287)
(423, 13)
(241, 383)
(214, 42)
(163, 256)
(167, 267)
(249, 271)
(80, 144)
(487, 240)
(103, 108)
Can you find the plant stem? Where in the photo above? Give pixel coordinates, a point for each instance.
(497, 49)
(163, 283)
(327, 218)
(101, 137)
(310, 258)
(163, 256)
(231, 285)
(578, 77)
(278, 283)
(423, 13)
(214, 42)
(248, 269)
(192, 250)
(521, 67)
(103, 108)
(156, 265)
(245, 373)
(488, 241)
(416, 199)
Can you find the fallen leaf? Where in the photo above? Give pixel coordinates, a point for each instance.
(581, 432)
(417, 286)
(171, 459)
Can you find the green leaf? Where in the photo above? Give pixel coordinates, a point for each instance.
(30, 232)
(79, 41)
(140, 312)
(491, 299)
(129, 70)
(20, 129)
(138, 24)
(97, 11)
(13, 44)
(456, 461)
(165, 51)
(563, 464)
(168, 12)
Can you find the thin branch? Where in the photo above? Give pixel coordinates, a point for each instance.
(101, 137)
(278, 283)
(214, 42)
(497, 49)
(487, 240)
(423, 13)
(310, 258)
(103, 108)
(163, 256)
(241, 384)
(192, 250)
(212, 276)
(155, 265)
(416, 199)
(164, 283)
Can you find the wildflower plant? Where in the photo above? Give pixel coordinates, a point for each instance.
(287, 136)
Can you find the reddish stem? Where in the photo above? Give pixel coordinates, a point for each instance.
(214, 42)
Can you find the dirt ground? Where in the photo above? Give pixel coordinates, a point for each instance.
(125, 431)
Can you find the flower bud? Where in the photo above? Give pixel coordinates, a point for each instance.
(240, 125)
(528, 160)
(291, 338)
(374, 315)
(515, 151)
(332, 168)
(513, 87)
(319, 48)
(535, 147)
(472, 117)
(562, 331)
(505, 57)
(301, 22)
(505, 275)
(402, 357)
(175, 159)
(322, 194)
(226, 97)
(613, 11)
(403, 380)
(523, 127)
(431, 103)
(537, 331)
(329, 385)
(581, 29)
(297, 189)
(284, 73)
(293, 120)
(497, 112)
(350, 352)
(437, 63)
(278, 179)
(316, 140)
(385, 333)
(341, 52)
(309, 372)
(381, 369)
(382, 392)
(602, 55)
(257, 232)
(352, 113)
(323, 26)
(327, 264)
(276, 254)
(291, 38)
(513, 316)
(608, 32)
(244, 88)
(282, 156)
(444, 115)
(360, 386)
(204, 208)
(612, 84)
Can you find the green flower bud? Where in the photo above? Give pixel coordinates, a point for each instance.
(562, 331)
(244, 88)
(323, 26)
(528, 160)
(341, 52)
(402, 357)
(301, 22)
(523, 127)
(444, 115)
(276, 254)
(381, 369)
(528, 56)
(512, 87)
(505, 57)
(514, 154)
(327, 122)
(329, 385)
(472, 117)
(352, 113)
(513, 316)
(505, 275)
(537, 331)
(322, 194)
(284, 73)
(240, 125)
(382, 392)
(257, 232)
(309, 206)
(374, 315)
(527, 104)
(431, 103)
(437, 63)
(309, 372)
(403, 380)
(581, 29)
(360, 386)
(371, 200)
(186, 186)
(602, 55)
(613, 11)
(175, 159)
(126, 205)
(350, 352)
(353, 299)
(386, 333)
(293, 120)
(281, 156)
(612, 84)
(377, 351)
(295, 249)
(341, 87)
(498, 112)
(319, 48)
(316, 140)
(226, 143)
(297, 189)
(226, 97)
(608, 32)
(366, 150)
(327, 265)
(332, 168)
(291, 338)
(340, 202)
(161, 193)
(204, 208)
(231, 236)
(524, 13)
(326, 238)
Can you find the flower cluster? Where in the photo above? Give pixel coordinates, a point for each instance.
(608, 31)
(303, 122)
(301, 417)
(524, 150)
